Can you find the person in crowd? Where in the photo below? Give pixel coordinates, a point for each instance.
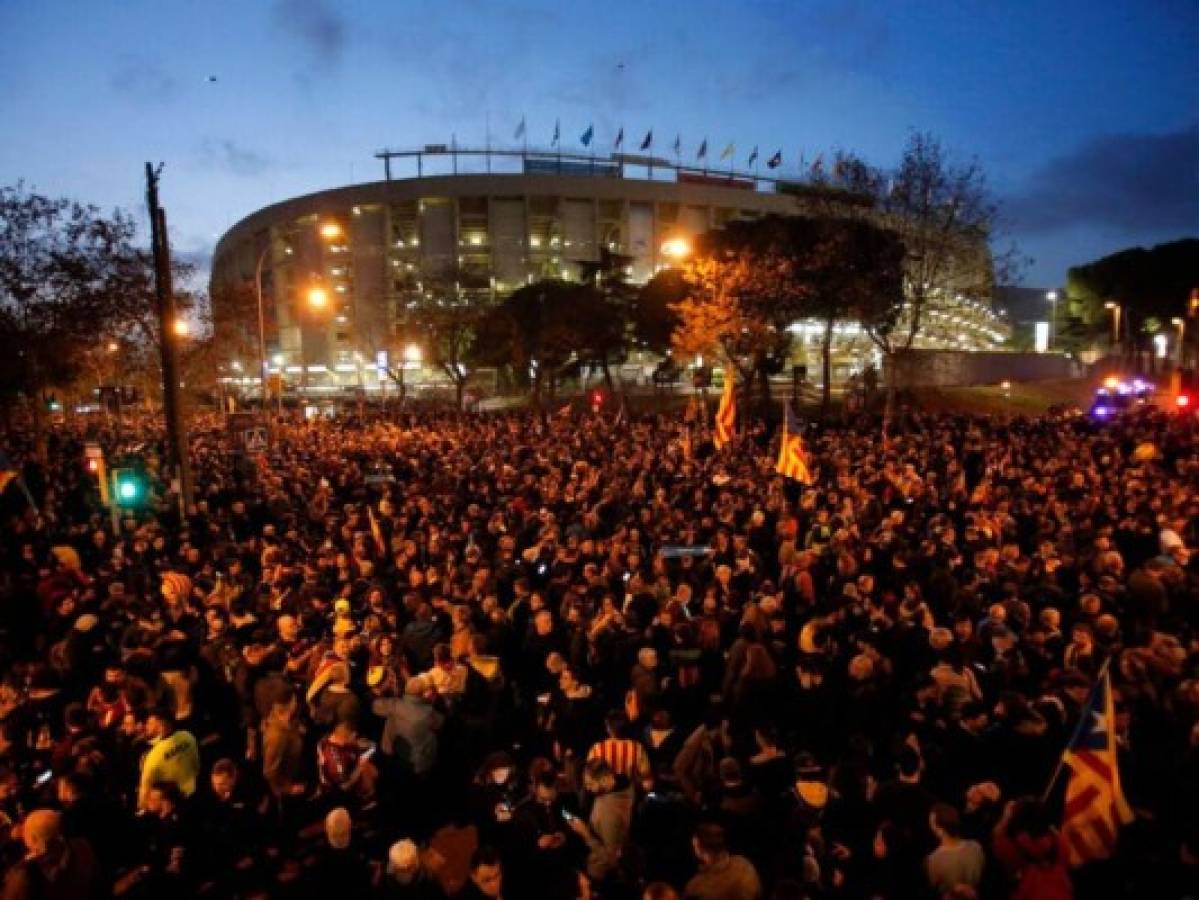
(173, 757)
(957, 861)
(54, 866)
(722, 875)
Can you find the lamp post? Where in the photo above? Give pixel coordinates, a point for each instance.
(412, 356)
(318, 299)
(1115, 309)
(1052, 298)
(328, 231)
(1181, 325)
(262, 328)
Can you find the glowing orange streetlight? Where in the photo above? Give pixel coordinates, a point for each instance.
(181, 328)
(676, 248)
(331, 231)
(318, 297)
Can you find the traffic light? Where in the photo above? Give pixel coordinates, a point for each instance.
(129, 487)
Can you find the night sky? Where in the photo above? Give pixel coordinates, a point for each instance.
(1084, 114)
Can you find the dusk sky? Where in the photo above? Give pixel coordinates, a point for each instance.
(1085, 115)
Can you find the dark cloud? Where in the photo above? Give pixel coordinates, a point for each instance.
(227, 155)
(1124, 182)
(317, 25)
(142, 79)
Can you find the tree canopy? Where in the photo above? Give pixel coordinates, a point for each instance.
(1154, 283)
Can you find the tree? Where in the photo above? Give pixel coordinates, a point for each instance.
(59, 261)
(537, 329)
(855, 271)
(744, 292)
(654, 315)
(235, 321)
(749, 282)
(449, 336)
(610, 311)
(1154, 283)
(945, 215)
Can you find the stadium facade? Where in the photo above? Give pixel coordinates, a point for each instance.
(379, 250)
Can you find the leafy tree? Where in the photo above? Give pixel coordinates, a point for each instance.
(1154, 283)
(748, 282)
(60, 270)
(449, 334)
(654, 315)
(855, 271)
(537, 328)
(235, 329)
(610, 310)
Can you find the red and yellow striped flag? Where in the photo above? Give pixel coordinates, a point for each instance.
(726, 412)
(793, 459)
(1095, 805)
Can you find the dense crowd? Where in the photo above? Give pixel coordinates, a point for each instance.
(523, 657)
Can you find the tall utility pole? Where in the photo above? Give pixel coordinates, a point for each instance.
(164, 297)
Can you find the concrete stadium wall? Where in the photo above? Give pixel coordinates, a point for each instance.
(958, 368)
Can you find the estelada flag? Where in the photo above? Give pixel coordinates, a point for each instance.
(793, 459)
(726, 413)
(1095, 805)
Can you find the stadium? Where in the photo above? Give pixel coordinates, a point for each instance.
(370, 252)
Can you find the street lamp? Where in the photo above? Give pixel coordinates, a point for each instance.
(1181, 325)
(113, 346)
(412, 354)
(1052, 298)
(1115, 308)
(676, 248)
(181, 328)
(318, 298)
(328, 231)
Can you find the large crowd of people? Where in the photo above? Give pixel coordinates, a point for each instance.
(513, 656)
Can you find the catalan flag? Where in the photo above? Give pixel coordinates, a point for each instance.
(1095, 805)
(793, 459)
(726, 412)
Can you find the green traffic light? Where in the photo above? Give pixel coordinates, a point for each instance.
(129, 487)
